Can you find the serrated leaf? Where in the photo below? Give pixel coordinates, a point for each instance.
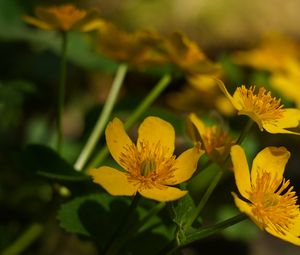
(46, 162)
(183, 210)
(97, 216)
(85, 214)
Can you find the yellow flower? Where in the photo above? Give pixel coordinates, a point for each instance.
(287, 82)
(186, 54)
(150, 166)
(265, 110)
(139, 48)
(272, 54)
(267, 197)
(64, 17)
(216, 142)
(201, 91)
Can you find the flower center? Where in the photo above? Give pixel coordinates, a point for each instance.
(260, 102)
(67, 15)
(273, 204)
(214, 138)
(147, 164)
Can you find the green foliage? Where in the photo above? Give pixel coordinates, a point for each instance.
(98, 216)
(13, 93)
(183, 210)
(46, 162)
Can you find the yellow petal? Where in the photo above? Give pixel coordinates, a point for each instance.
(295, 230)
(154, 130)
(245, 208)
(92, 25)
(198, 124)
(271, 159)
(241, 170)
(163, 194)
(242, 205)
(49, 16)
(290, 119)
(37, 22)
(113, 181)
(226, 93)
(287, 236)
(117, 139)
(185, 165)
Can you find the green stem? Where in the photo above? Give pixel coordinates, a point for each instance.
(204, 200)
(103, 118)
(208, 231)
(113, 245)
(245, 131)
(154, 93)
(61, 91)
(26, 239)
(205, 232)
(150, 98)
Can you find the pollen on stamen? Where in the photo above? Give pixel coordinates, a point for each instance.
(274, 202)
(147, 164)
(260, 102)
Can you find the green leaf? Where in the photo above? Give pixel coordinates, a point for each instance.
(183, 210)
(92, 215)
(97, 216)
(46, 162)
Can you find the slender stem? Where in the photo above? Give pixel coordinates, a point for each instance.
(103, 118)
(245, 131)
(204, 199)
(26, 239)
(205, 232)
(150, 98)
(154, 93)
(113, 244)
(208, 231)
(61, 91)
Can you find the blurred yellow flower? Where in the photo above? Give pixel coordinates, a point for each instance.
(272, 54)
(267, 197)
(216, 142)
(150, 166)
(287, 82)
(265, 110)
(187, 55)
(139, 48)
(63, 17)
(201, 92)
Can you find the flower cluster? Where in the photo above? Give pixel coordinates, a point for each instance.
(150, 167)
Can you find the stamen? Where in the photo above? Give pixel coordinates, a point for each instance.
(270, 205)
(260, 102)
(147, 164)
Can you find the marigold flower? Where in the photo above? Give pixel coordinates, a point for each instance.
(216, 142)
(64, 17)
(267, 197)
(265, 110)
(150, 166)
